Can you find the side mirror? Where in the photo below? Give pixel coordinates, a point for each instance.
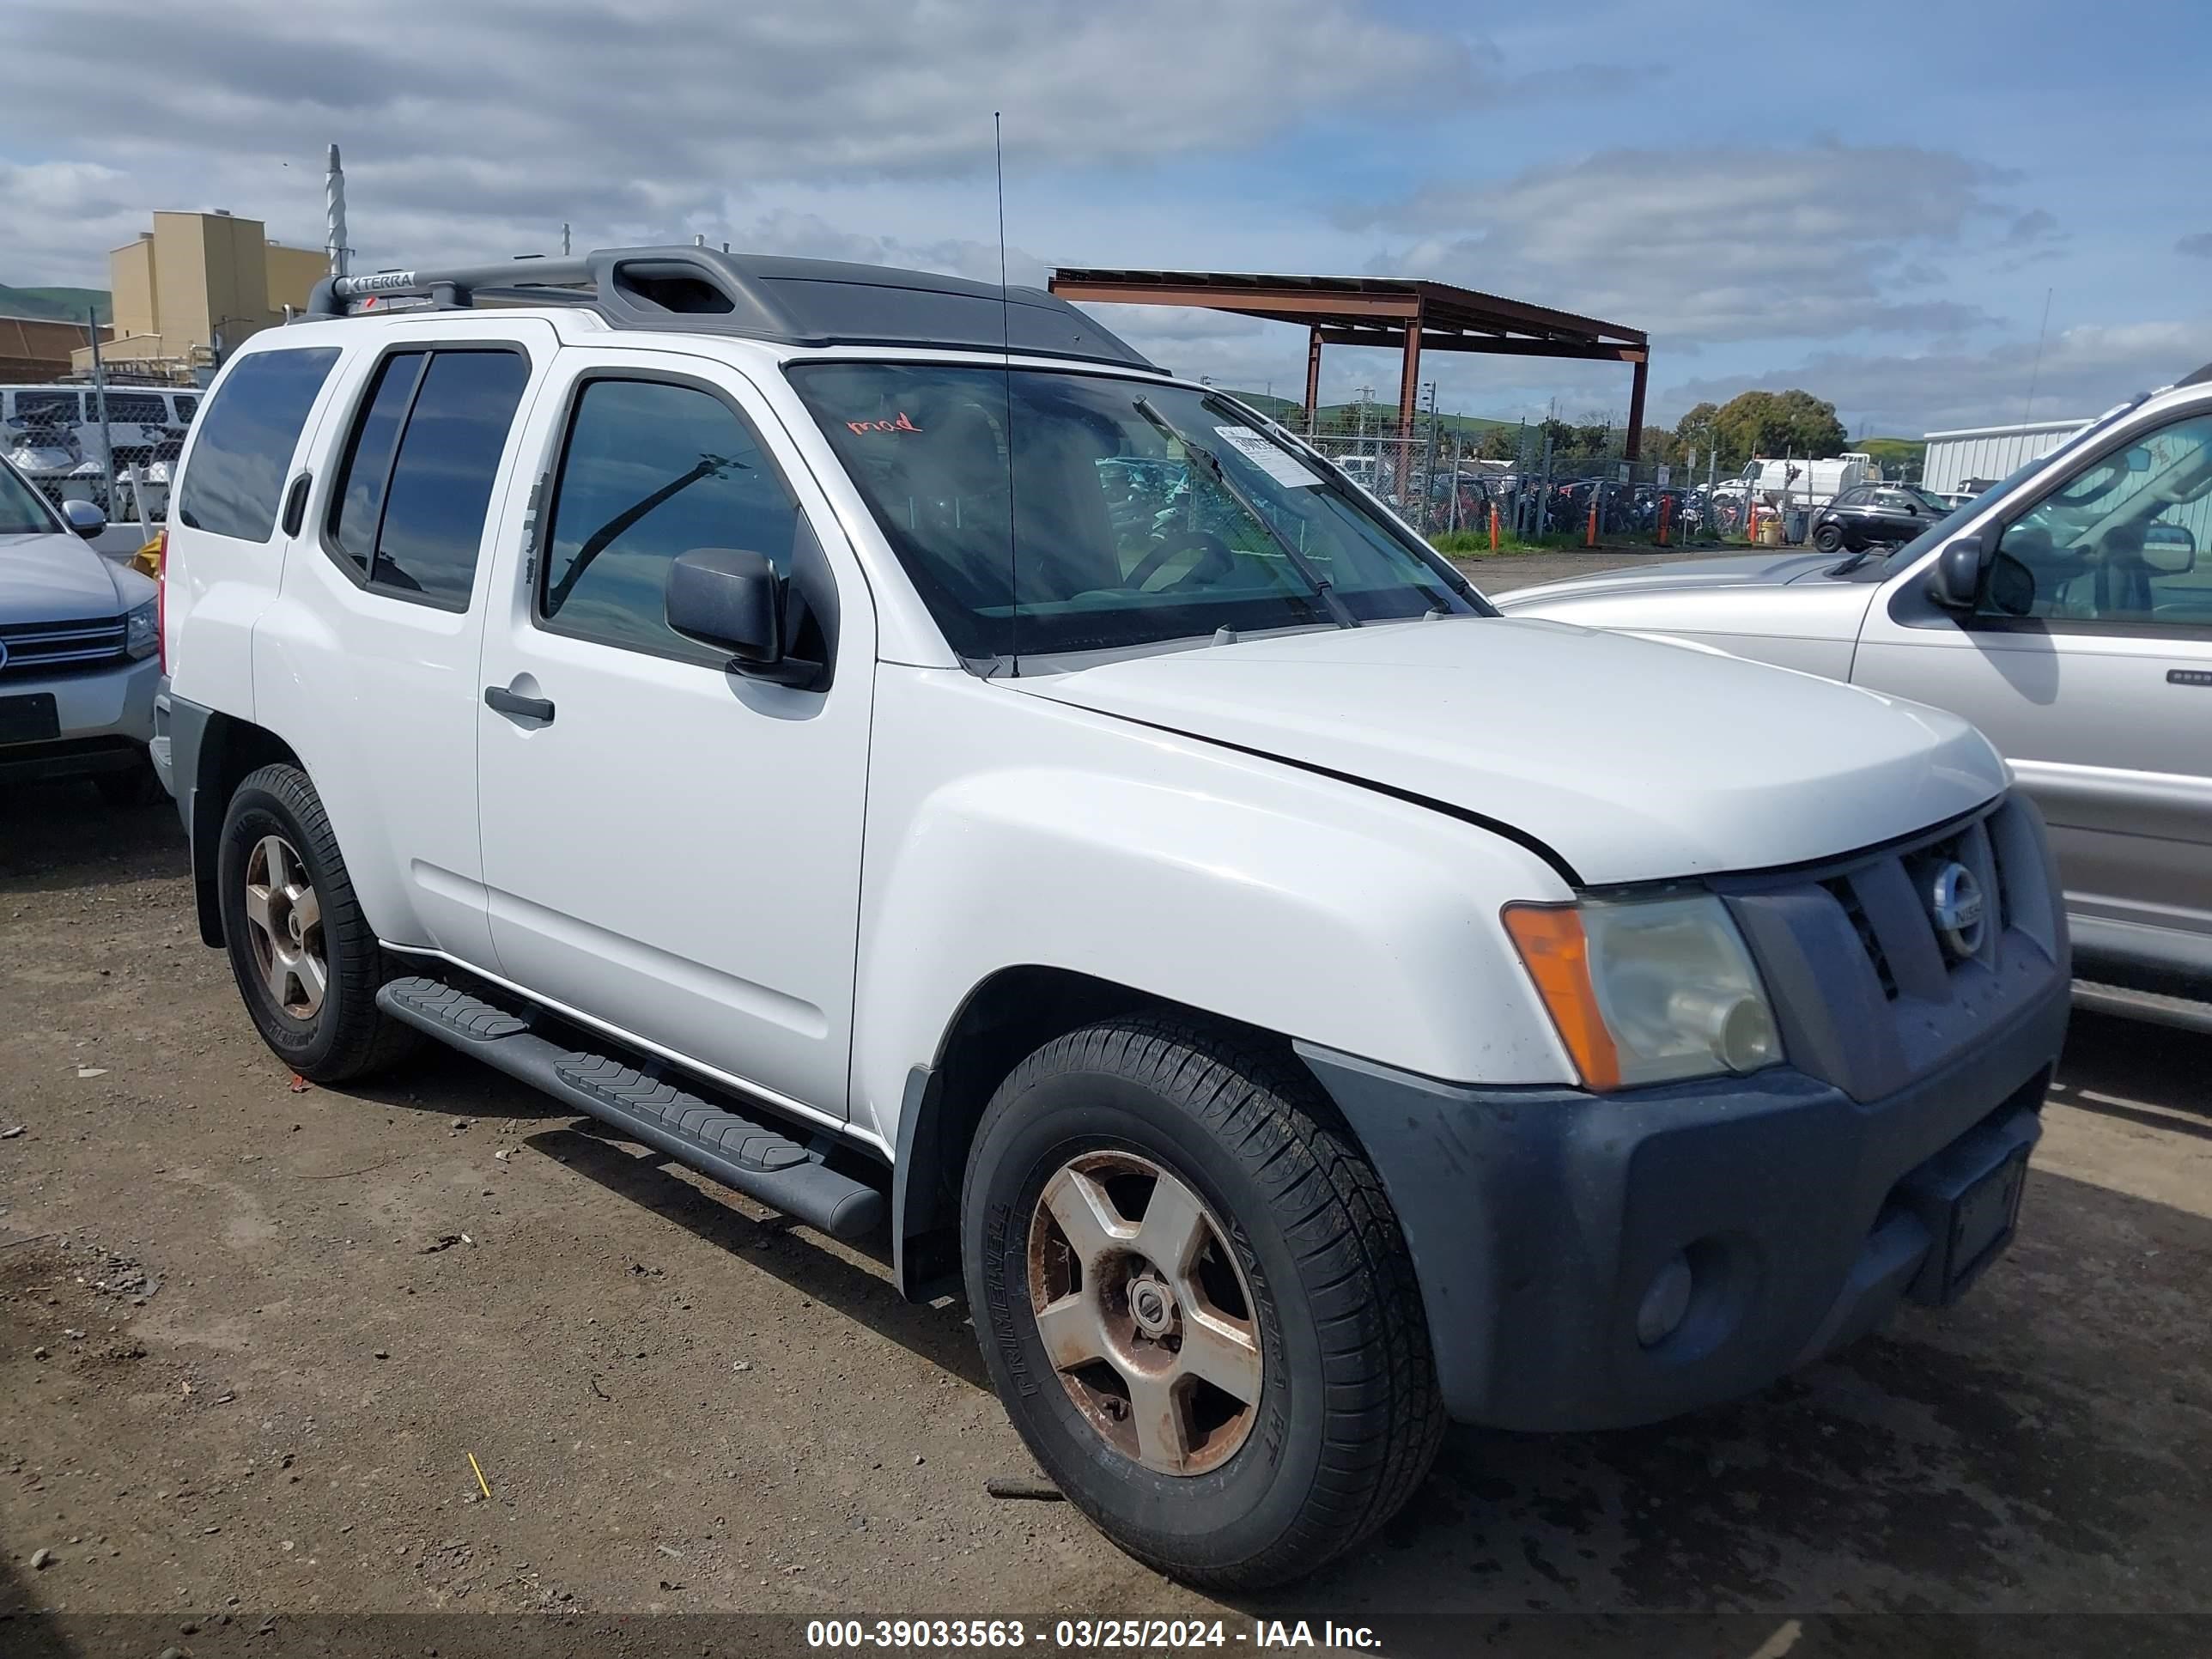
(731, 599)
(2170, 550)
(1956, 581)
(85, 518)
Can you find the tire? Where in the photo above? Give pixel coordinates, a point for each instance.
(137, 785)
(1292, 1224)
(1829, 537)
(333, 1031)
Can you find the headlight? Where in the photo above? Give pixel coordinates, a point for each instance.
(142, 633)
(1647, 991)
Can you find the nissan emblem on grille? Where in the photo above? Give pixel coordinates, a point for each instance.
(1954, 901)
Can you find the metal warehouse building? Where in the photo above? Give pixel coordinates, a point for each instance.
(1988, 453)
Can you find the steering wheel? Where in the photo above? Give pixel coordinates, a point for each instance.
(1219, 561)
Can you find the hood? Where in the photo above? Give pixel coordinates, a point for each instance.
(1681, 575)
(1632, 759)
(56, 578)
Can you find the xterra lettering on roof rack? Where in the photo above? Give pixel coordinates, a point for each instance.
(800, 302)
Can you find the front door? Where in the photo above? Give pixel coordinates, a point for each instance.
(2087, 660)
(669, 848)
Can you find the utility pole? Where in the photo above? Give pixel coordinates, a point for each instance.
(100, 392)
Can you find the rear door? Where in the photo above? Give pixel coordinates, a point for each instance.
(2088, 662)
(368, 666)
(671, 849)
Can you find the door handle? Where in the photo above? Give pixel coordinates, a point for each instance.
(2188, 676)
(499, 699)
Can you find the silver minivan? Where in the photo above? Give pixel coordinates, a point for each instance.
(2067, 612)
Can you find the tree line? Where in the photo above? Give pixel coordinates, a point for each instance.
(1792, 423)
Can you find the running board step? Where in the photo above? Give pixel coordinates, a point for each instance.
(2143, 1004)
(760, 1162)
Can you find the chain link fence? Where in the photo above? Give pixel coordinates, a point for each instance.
(112, 442)
(1450, 483)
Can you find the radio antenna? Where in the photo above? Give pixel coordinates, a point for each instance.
(1006, 358)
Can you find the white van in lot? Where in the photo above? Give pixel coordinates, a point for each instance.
(1297, 1005)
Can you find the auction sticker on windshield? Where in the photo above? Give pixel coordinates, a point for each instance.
(1277, 464)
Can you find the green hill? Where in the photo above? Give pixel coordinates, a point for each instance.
(65, 305)
(1379, 415)
(1899, 458)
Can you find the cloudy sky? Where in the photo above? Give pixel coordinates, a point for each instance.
(1871, 201)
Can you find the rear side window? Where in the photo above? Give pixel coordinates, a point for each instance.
(652, 470)
(246, 442)
(360, 495)
(144, 408)
(408, 513)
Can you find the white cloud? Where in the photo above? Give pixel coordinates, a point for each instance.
(2083, 371)
(1715, 244)
(477, 129)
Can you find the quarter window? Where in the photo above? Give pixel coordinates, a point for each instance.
(246, 442)
(2119, 542)
(418, 474)
(652, 470)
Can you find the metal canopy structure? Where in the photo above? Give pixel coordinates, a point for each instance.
(1411, 315)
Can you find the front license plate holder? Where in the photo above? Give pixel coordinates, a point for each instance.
(1968, 1197)
(34, 718)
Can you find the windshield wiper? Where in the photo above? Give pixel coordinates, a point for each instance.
(1322, 589)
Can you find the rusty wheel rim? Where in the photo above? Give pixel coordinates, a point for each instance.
(1144, 1312)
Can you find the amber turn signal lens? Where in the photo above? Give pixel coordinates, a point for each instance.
(1557, 955)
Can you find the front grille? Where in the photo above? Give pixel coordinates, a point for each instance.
(1866, 992)
(1840, 889)
(42, 650)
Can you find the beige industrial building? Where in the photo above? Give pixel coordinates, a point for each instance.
(195, 285)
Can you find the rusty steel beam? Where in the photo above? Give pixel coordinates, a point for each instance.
(1492, 344)
(1260, 299)
(1634, 450)
(1409, 377)
(1491, 310)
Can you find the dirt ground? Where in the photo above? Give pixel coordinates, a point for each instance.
(255, 1345)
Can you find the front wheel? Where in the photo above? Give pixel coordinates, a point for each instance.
(307, 962)
(1829, 537)
(1196, 1303)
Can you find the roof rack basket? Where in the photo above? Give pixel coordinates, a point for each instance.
(796, 302)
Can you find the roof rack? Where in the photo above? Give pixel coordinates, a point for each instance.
(798, 303)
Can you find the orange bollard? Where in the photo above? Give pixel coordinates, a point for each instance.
(1494, 526)
(1666, 509)
(1589, 533)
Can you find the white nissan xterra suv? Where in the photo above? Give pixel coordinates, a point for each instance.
(875, 739)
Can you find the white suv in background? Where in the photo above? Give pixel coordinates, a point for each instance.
(879, 740)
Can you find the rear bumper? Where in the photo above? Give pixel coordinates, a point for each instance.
(1539, 1219)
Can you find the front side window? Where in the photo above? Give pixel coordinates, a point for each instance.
(245, 444)
(2117, 543)
(652, 470)
(1040, 511)
(418, 476)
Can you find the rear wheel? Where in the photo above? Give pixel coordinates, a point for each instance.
(1195, 1302)
(305, 959)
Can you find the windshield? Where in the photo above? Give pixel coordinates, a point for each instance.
(1928, 498)
(1129, 513)
(1905, 556)
(23, 511)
